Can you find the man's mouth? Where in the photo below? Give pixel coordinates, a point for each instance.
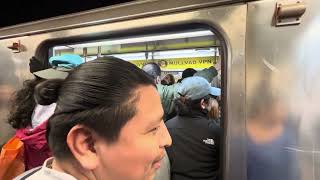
(157, 163)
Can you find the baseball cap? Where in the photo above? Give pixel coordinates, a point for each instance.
(61, 65)
(196, 88)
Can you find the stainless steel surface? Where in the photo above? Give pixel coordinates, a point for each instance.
(289, 13)
(114, 13)
(282, 94)
(233, 94)
(8, 83)
(270, 76)
(229, 21)
(14, 69)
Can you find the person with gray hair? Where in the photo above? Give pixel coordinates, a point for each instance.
(154, 71)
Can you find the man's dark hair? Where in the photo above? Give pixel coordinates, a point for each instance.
(152, 69)
(100, 95)
(189, 72)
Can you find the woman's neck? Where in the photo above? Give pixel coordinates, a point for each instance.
(264, 131)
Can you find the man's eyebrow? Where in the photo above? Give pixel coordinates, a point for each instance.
(157, 121)
(154, 123)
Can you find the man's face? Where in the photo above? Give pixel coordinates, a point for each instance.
(140, 147)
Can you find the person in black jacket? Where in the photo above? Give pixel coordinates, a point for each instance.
(194, 153)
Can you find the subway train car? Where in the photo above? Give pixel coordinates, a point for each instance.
(269, 66)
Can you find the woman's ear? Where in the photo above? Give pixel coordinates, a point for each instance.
(203, 104)
(81, 142)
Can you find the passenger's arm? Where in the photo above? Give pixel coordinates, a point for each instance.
(167, 95)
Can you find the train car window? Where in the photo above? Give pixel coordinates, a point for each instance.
(173, 51)
(198, 49)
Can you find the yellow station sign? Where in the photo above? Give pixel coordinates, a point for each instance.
(178, 64)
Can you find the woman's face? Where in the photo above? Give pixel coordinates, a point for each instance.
(140, 147)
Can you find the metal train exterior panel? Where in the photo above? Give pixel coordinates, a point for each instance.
(267, 70)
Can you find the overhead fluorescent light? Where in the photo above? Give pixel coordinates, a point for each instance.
(140, 39)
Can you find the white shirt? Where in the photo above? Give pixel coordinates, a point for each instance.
(45, 173)
(42, 113)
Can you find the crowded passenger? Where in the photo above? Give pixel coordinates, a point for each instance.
(216, 81)
(102, 127)
(168, 80)
(154, 71)
(30, 118)
(271, 136)
(169, 93)
(215, 113)
(189, 72)
(194, 153)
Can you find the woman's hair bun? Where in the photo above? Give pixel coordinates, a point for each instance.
(47, 92)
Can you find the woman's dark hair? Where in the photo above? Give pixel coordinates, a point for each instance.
(189, 72)
(186, 107)
(100, 95)
(23, 104)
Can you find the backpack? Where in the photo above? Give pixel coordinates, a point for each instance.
(12, 159)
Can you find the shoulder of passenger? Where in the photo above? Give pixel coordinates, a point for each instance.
(214, 127)
(171, 122)
(27, 175)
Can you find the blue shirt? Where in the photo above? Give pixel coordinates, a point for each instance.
(274, 160)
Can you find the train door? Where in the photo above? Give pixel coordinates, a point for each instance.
(282, 85)
(189, 45)
(195, 38)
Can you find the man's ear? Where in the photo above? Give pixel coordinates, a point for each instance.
(82, 144)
